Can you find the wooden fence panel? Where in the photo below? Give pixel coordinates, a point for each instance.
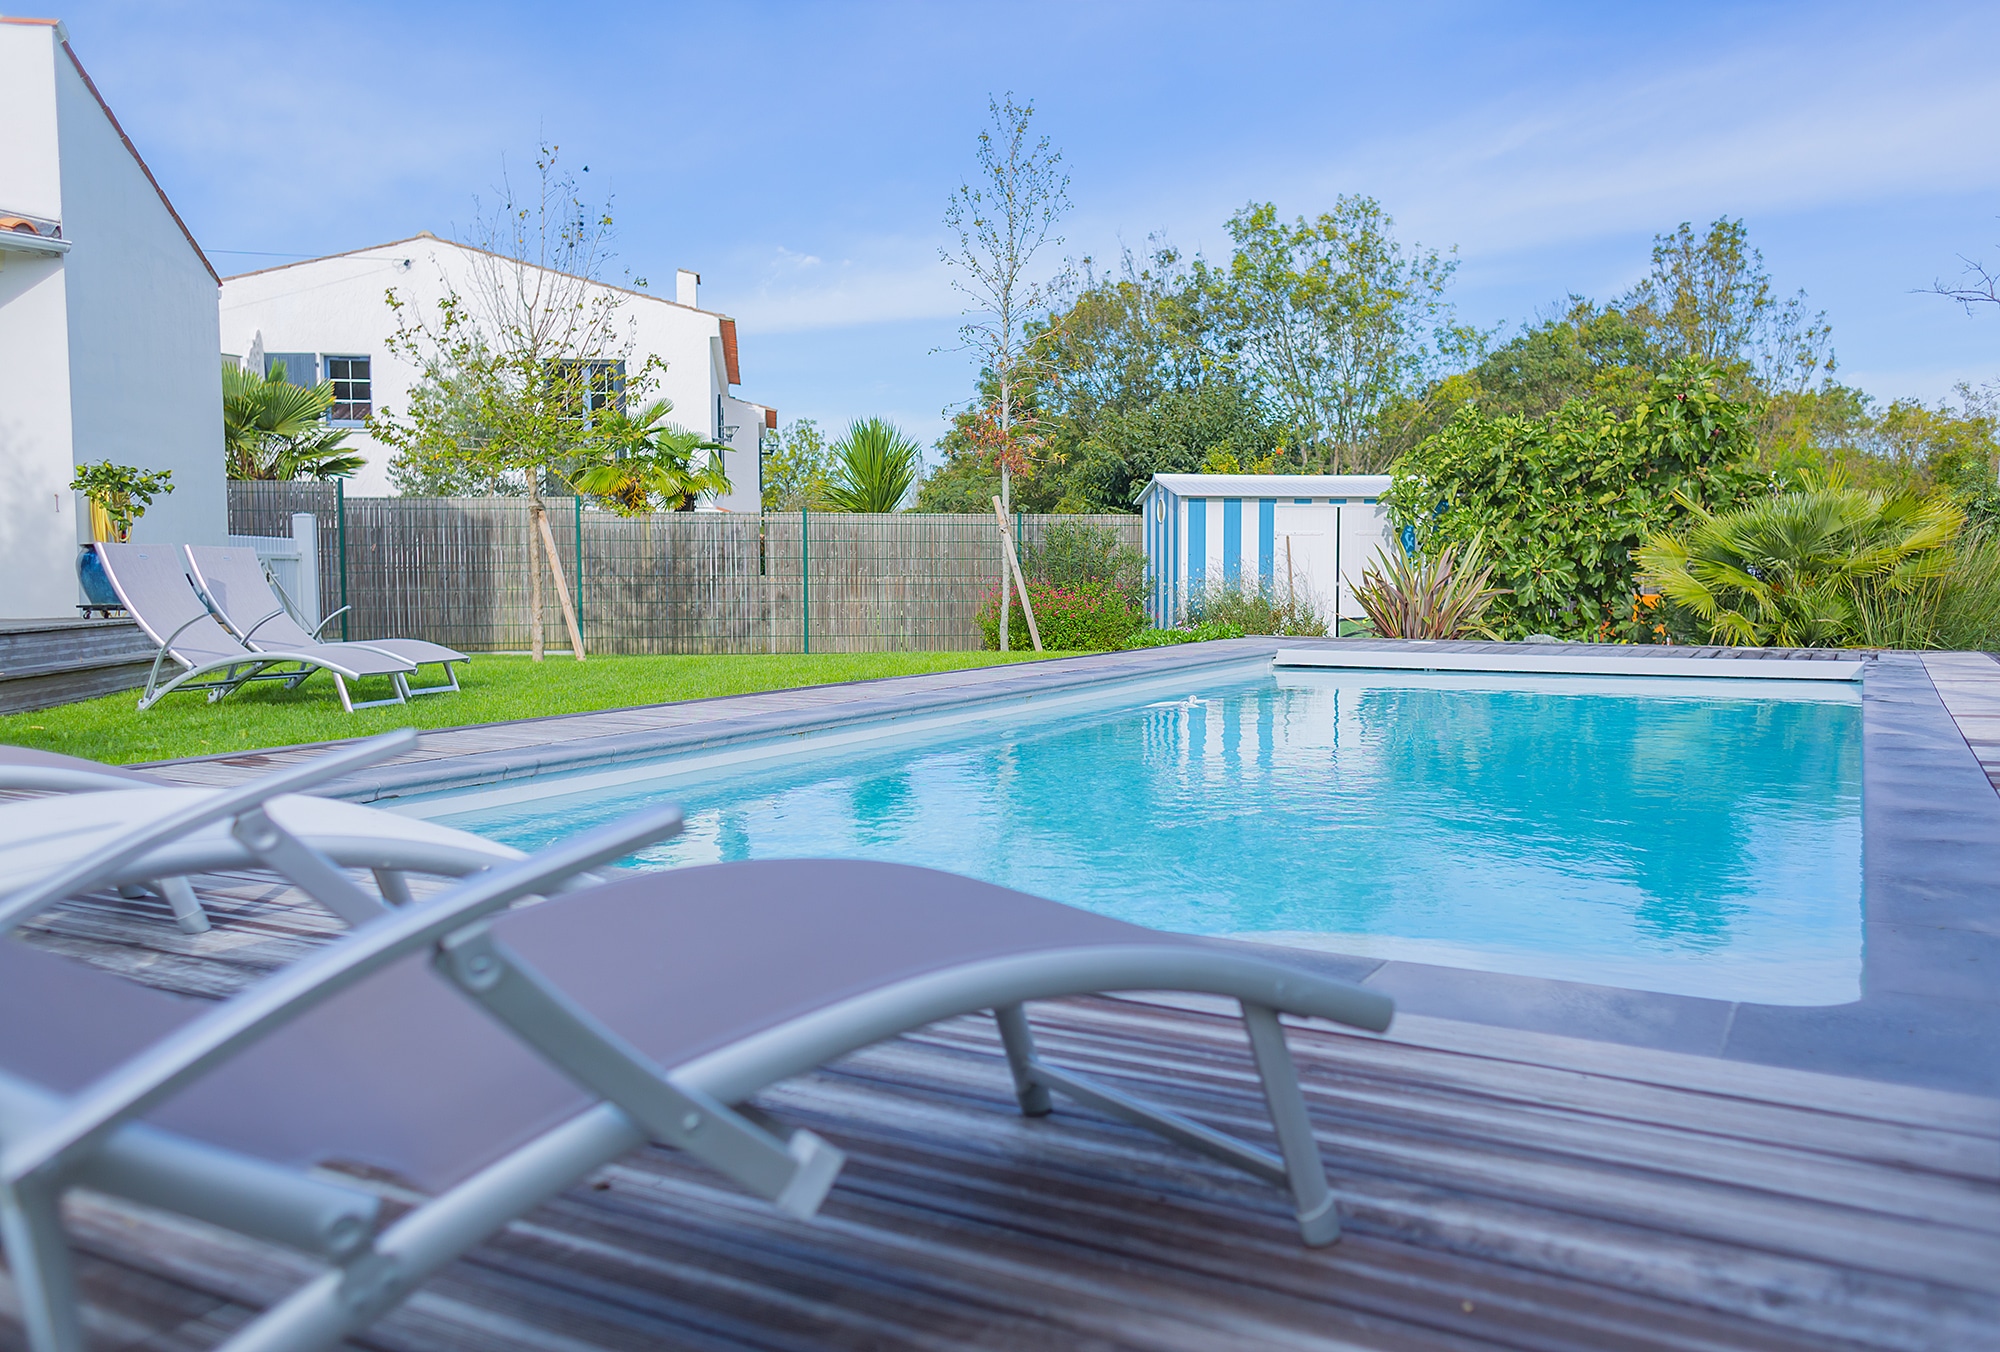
(455, 571)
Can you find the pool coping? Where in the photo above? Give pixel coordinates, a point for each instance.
(1929, 1013)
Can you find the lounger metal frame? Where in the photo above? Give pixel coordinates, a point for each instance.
(287, 606)
(94, 1140)
(237, 672)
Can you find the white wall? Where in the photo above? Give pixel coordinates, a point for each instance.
(145, 384)
(104, 350)
(37, 525)
(338, 305)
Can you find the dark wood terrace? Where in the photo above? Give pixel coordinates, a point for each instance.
(1499, 1189)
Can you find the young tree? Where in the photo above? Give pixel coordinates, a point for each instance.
(1337, 319)
(1004, 217)
(798, 469)
(526, 354)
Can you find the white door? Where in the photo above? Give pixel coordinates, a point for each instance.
(1306, 558)
(1364, 529)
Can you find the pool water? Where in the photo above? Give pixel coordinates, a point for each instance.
(1691, 836)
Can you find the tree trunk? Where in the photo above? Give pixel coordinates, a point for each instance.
(534, 568)
(1006, 582)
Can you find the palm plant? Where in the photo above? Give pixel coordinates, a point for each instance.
(273, 429)
(642, 459)
(1800, 569)
(1441, 595)
(875, 466)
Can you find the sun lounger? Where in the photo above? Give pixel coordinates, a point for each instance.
(152, 583)
(491, 1058)
(102, 805)
(239, 591)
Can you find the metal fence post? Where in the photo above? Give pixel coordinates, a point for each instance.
(806, 578)
(340, 509)
(578, 501)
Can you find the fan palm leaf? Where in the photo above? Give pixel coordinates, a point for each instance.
(1796, 569)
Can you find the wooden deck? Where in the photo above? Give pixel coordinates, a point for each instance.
(1969, 685)
(1499, 1189)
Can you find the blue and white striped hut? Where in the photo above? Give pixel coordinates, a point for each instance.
(1306, 535)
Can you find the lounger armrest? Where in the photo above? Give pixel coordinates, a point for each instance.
(166, 650)
(136, 1087)
(320, 628)
(249, 633)
(252, 1196)
(99, 868)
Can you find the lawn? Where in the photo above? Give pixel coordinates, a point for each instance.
(494, 688)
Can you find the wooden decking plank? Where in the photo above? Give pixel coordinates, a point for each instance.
(1412, 1100)
(1603, 1189)
(1847, 1096)
(1556, 1088)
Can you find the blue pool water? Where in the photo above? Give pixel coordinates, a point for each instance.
(1698, 837)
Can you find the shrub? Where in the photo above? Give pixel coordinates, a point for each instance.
(1089, 618)
(1078, 555)
(1562, 501)
(1802, 569)
(1959, 609)
(1261, 611)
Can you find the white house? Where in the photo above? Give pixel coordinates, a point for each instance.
(329, 319)
(107, 328)
(1309, 535)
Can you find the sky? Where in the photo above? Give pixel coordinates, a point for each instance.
(800, 156)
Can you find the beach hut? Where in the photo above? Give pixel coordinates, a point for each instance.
(1305, 535)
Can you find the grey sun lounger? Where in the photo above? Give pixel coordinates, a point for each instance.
(233, 579)
(42, 836)
(492, 1057)
(152, 583)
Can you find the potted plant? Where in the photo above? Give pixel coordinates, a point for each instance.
(119, 495)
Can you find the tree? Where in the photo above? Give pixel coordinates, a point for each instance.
(526, 357)
(640, 462)
(1337, 319)
(273, 429)
(874, 468)
(798, 469)
(1003, 218)
(1710, 298)
(1140, 375)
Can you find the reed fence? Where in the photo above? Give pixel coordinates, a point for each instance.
(455, 571)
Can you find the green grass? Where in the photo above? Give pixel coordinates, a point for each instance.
(494, 688)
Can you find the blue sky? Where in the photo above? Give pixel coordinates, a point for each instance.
(799, 155)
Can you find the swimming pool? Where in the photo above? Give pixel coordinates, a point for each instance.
(1692, 836)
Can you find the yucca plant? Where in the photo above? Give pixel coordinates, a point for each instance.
(874, 467)
(1802, 569)
(1440, 595)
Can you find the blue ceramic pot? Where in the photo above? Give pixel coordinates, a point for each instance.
(96, 585)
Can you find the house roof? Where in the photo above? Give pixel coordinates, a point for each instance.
(1273, 485)
(729, 364)
(62, 37)
(470, 248)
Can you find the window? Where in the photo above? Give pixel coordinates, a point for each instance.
(300, 368)
(590, 386)
(353, 389)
